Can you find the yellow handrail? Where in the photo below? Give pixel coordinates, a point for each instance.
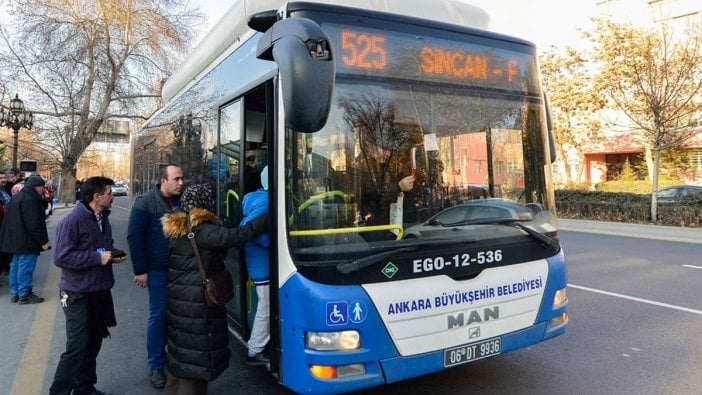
(226, 201)
(355, 229)
(322, 195)
(314, 198)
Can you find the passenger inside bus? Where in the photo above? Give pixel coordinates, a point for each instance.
(318, 173)
(252, 176)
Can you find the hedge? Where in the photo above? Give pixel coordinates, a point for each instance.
(626, 207)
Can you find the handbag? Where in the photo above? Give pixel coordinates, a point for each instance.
(219, 288)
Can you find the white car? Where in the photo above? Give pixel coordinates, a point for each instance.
(120, 189)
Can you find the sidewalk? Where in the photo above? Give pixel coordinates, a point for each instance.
(63, 206)
(643, 231)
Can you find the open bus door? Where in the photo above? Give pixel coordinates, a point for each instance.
(244, 125)
(306, 81)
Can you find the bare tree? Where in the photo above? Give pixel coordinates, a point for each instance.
(655, 78)
(86, 62)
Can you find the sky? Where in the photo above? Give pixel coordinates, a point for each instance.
(544, 22)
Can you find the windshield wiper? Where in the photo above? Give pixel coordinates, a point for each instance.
(370, 260)
(546, 241)
(361, 263)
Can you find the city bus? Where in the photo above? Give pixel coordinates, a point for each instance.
(408, 151)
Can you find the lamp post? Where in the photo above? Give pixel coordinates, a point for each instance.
(15, 119)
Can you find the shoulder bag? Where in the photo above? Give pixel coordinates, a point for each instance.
(219, 288)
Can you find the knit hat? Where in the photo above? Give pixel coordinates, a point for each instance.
(198, 195)
(35, 181)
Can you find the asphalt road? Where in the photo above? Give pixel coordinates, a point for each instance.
(635, 307)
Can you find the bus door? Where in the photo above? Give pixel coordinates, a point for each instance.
(230, 192)
(243, 143)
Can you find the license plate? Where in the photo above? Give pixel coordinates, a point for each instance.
(471, 352)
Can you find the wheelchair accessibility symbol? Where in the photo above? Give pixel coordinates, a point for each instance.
(337, 313)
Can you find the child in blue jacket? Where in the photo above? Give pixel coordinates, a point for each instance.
(257, 262)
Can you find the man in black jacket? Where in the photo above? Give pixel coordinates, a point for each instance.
(149, 252)
(23, 234)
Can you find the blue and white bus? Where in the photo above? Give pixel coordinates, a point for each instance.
(412, 210)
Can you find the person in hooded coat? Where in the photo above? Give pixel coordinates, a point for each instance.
(197, 335)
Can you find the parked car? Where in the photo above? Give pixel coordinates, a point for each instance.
(471, 212)
(470, 191)
(678, 192)
(120, 189)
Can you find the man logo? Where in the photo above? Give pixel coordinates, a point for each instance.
(472, 316)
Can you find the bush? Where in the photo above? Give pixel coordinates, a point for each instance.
(626, 207)
(631, 186)
(635, 186)
(603, 206)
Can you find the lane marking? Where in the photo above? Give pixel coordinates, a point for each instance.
(647, 301)
(692, 267)
(36, 352)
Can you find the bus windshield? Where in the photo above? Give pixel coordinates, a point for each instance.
(398, 161)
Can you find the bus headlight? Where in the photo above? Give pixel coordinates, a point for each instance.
(560, 298)
(333, 341)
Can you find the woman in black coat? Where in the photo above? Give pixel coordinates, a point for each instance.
(197, 335)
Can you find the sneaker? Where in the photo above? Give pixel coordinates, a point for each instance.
(158, 379)
(30, 298)
(14, 298)
(258, 359)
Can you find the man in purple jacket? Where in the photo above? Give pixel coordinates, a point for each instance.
(85, 254)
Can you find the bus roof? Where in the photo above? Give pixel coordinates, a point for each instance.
(232, 27)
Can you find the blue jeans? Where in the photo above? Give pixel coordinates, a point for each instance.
(22, 274)
(156, 323)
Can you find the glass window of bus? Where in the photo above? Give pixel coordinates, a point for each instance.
(347, 175)
(146, 162)
(191, 134)
(230, 121)
(421, 120)
(229, 189)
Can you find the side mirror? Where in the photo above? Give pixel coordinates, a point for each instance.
(301, 49)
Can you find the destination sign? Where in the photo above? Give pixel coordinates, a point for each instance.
(390, 54)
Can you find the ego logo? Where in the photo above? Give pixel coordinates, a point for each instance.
(390, 270)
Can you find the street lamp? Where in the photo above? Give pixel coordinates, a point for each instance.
(15, 119)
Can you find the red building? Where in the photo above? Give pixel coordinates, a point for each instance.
(606, 156)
